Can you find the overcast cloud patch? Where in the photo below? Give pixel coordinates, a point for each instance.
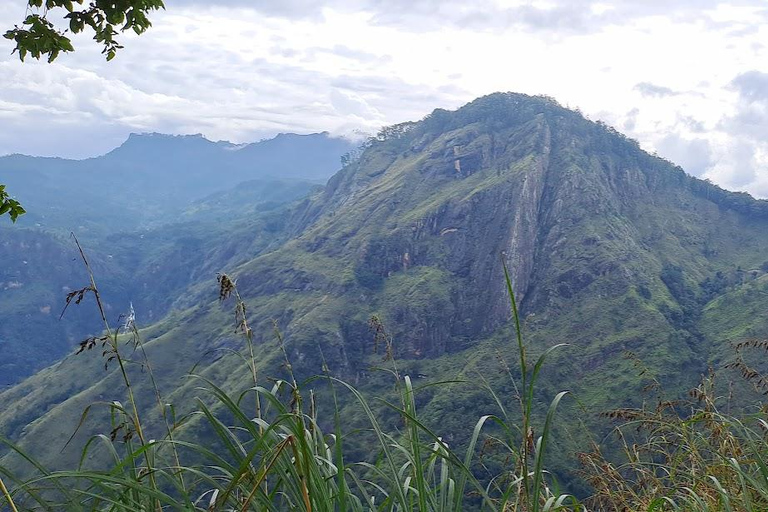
(654, 91)
(574, 16)
(694, 156)
(752, 85)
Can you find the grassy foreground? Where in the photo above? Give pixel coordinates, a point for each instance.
(273, 447)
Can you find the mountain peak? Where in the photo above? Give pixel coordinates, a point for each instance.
(283, 135)
(157, 145)
(156, 137)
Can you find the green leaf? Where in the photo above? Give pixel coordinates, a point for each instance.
(10, 206)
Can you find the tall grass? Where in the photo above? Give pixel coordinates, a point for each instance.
(684, 455)
(283, 445)
(275, 454)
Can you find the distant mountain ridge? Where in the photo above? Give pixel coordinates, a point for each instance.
(153, 176)
(287, 155)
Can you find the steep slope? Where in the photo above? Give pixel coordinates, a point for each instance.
(37, 271)
(610, 249)
(148, 268)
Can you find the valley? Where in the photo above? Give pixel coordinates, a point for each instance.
(157, 215)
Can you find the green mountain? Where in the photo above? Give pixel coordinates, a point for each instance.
(616, 252)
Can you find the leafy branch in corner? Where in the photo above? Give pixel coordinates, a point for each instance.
(38, 36)
(10, 206)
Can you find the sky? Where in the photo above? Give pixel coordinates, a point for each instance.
(687, 78)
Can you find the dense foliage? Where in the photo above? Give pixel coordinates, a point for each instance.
(9, 206)
(272, 454)
(39, 37)
(267, 447)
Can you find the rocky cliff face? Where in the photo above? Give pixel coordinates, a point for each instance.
(416, 228)
(576, 212)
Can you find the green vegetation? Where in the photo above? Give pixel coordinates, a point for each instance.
(150, 268)
(272, 454)
(683, 455)
(615, 252)
(285, 446)
(39, 37)
(176, 210)
(9, 206)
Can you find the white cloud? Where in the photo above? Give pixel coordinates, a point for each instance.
(678, 76)
(694, 155)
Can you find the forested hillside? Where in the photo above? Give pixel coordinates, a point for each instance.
(615, 252)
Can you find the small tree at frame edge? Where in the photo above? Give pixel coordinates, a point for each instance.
(39, 37)
(9, 206)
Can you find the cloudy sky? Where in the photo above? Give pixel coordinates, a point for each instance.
(687, 78)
